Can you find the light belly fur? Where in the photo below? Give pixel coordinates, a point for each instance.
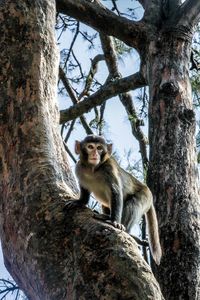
(95, 185)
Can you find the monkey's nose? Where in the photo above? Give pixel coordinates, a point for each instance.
(95, 153)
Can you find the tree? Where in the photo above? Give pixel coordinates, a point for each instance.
(51, 252)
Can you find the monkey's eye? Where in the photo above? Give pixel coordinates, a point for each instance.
(90, 147)
(99, 148)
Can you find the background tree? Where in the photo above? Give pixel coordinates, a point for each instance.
(56, 254)
(50, 252)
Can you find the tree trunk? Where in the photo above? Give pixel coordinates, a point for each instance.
(52, 253)
(173, 172)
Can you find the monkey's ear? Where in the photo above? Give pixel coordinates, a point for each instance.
(109, 147)
(77, 147)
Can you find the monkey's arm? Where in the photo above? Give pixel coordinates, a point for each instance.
(114, 195)
(112, 212)
(82, 201)
(116, 205)
(84, 196)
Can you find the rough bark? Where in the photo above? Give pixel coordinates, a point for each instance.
(173, 172)
(52, 253)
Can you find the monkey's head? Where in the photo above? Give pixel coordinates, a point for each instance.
(93, 150)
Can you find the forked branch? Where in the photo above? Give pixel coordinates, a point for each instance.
(125, 98)
(188, 15)
(107, 91)
(103, 20)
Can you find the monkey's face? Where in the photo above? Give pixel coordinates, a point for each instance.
(94, 151)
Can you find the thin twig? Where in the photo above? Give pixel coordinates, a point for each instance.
(69, 152)
(72, 44)
(125, 98)
(70, 130)
(115, 7)
(78, 64)
(90, 76)
(74, 99)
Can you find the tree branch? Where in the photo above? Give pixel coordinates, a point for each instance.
(110, 55)
(74, 99)
(103, 20)
(72, 43)
(125, 98)
(188, 14)
(71, 127)
(90, 76)
(69, 153)
(107, 91)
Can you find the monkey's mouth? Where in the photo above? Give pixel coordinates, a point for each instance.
(94, 160)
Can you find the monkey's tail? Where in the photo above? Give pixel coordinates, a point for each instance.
(154, 240)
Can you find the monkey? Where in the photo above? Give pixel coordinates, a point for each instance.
(124, 198)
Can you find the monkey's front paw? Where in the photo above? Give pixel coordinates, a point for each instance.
(119, 226)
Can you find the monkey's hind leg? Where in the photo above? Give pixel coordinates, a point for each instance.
(105, 216)
(132, 213)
